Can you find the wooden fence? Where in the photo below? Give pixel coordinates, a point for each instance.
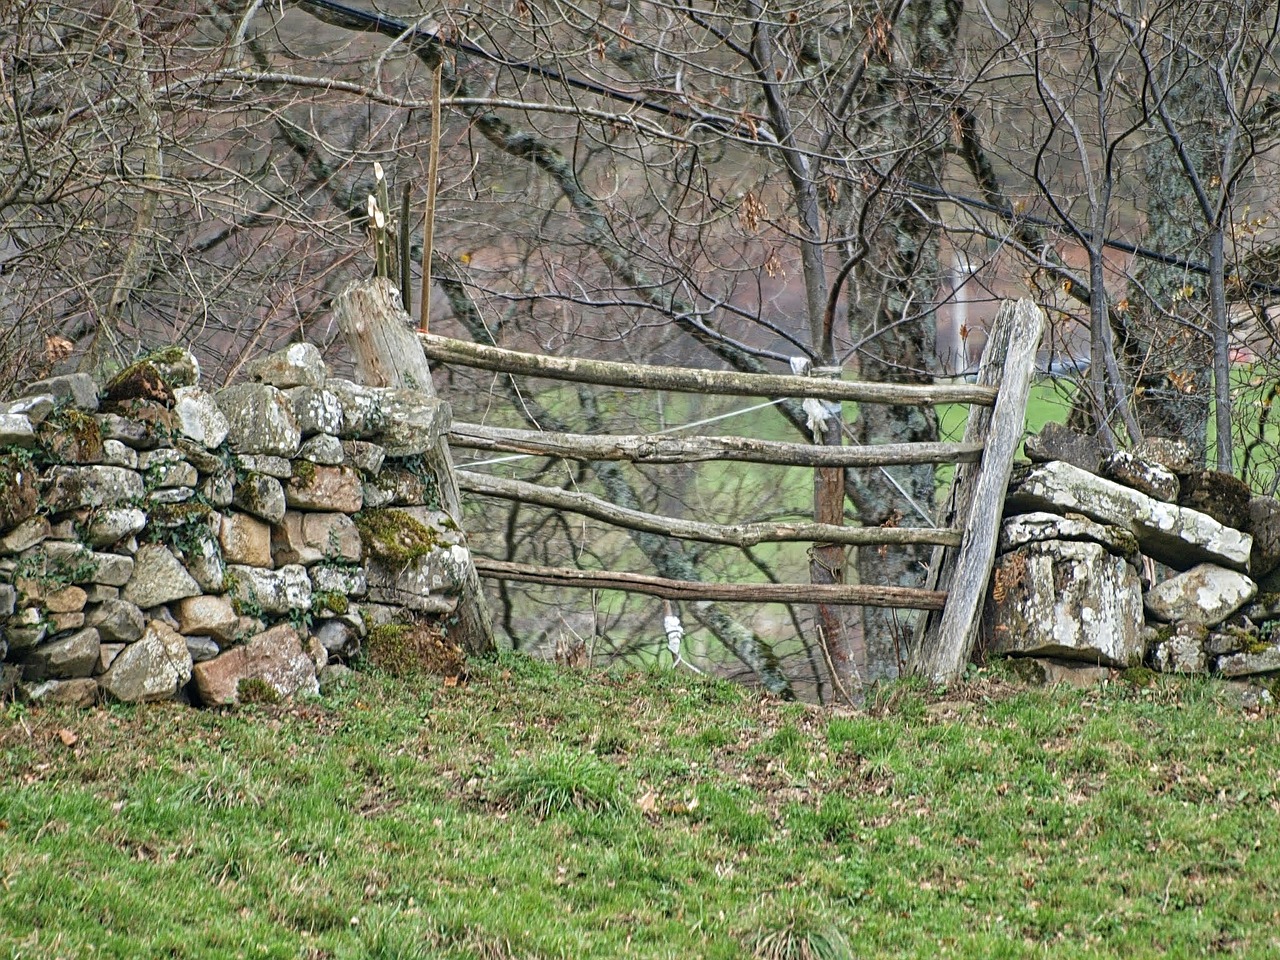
(964, 548)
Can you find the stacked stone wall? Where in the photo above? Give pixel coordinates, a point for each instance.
(160, 541)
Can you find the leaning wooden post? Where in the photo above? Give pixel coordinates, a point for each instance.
(388, 354)
(945, 642)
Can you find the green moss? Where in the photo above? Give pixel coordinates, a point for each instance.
(1139, 676)
(412, 649)
(329, 600)
(256, 690)
(394, 536)
(304, 472)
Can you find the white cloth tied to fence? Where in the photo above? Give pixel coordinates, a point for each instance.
(817, 411)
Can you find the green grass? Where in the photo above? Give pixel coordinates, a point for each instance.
(532, 812)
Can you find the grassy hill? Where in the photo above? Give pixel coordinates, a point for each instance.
(534, 812)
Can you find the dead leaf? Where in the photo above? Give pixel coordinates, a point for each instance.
(67, 737)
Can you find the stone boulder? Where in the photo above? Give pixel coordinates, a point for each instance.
(158, 577)
(308, 538)
(316, 410)
(260, 419)
(297, 365)
(1057, 441)
(1205, 594)
(82, 692)
(155, 667)
(1069, 600)
(276, 657)
(331, 489)
(262, 496)
(207, 616)
(272, 592)
(63, 658)
(1173, 535)
(74, 487)
(117, 621)
(1220, 495)
(1144, 475)
(199, 417)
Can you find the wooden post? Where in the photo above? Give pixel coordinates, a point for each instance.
(945, 642)
(387, 354)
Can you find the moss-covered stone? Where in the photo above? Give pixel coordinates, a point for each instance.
(396, 537)
(413, 649)
(19, 492)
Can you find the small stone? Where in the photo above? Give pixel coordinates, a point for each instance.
(199, 417)
(351, 581)
(1219, 495)
(323, 448)
(316, 410)
(8, 601)
(273, 592)
(413, 423)
(333, 675)
(35, 408)
(397, 485)
(1205, 594)
(27, 534)
(114, 524)
(69, 599)
(116, 454)
(246, 540)
(1143, 475)
(156, 667)
(1024, 528)
(364, 456)
(165, 468)
(335, 489)
(17, 430)
(64, 658)
(1249, 664)
(62, 622)
(202, 649)
(117, 621)
(261, 496)
(1048, 671)
(111, 569)
(208, 615)
(135, 434)
(107, 654)
(82, 692)
(1182, 652)
(1174, 455)
(1264, 526)
(278, 467)
(158, 577)
(361, 408)
(340, 636)
(219, 489)
(170, 495)
(1059, 442)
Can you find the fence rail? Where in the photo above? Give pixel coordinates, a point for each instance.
(688, 380)
(659, 448)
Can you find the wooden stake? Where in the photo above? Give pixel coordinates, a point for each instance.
(429, 224)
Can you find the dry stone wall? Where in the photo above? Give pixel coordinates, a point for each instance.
(1137, 559)
(160, 541)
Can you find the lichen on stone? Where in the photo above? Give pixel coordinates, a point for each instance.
(395, 537)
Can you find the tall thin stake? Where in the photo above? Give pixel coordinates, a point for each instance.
(429, 227)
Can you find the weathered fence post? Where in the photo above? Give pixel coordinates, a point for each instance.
(387, 353)
(945, 641)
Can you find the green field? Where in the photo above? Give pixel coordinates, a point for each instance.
(534, 813)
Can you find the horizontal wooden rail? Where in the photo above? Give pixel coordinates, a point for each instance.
(906, 598)
(660, 448)
(737, 535)
(692, 380)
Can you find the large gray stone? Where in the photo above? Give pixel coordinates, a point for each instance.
(1264, 527)
(156, 667)
(64, 658)
(117, 621)
(316, 410)
(1057, 441)
(82, 692)
(297, 365)
(273, 592)
(71, 487)
(260, 419)
(17, 430)
(79, 388)
(1174, 535)
(1205, 594)
(412, 422)
(365, 456)
(114, 524)
(1182, 651)
(207, 616)
(323, 448)
(361, 408)
(29, 533)
(1144, 475)
(1248, 664)
(330, 489)
(199, 417)
(262, 496)
(1024, 528)
(1063, 599)
(166, 468)
(158, 577)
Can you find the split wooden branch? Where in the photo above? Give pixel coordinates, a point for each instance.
(692, 590)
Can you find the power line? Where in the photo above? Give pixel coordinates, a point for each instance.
(390, 26)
